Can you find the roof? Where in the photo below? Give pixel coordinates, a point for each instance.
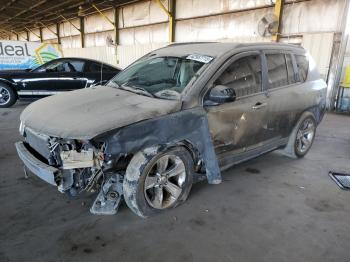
(85, 59)
(17, 15)
(216, 49)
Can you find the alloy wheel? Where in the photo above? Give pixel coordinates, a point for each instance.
(4, 96)
(305, 135)
(164, 182)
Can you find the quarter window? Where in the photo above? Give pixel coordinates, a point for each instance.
(243, 75)
(94, 67)
(277, 70)
(303, 66)
(75, 66)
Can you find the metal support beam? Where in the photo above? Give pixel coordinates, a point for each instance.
(278, 11)
(170, 17)
(172, 10)
(82, 32)
(38, 36)
(58, 33)
(41, 34)
(116, 26)
(48, 28)
(65, 19)
(103, 15)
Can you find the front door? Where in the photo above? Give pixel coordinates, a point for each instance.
(54, 77)
(71, 77)
(241, 126)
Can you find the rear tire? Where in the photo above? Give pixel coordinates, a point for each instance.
(156, 181)
(7, 96)
(302, 137)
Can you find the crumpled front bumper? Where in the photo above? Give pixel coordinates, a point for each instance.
(37, 167)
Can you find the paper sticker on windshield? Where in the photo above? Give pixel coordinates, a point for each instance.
(200, 58)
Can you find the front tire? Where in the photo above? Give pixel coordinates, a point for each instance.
(156, 181)
(7, 96)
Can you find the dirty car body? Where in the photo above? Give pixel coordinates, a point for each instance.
(180, 112)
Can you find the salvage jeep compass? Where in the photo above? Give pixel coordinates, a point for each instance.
(180, 112)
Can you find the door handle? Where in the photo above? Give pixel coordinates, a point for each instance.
(259, 105)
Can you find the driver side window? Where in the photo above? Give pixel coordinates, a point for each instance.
(243, 75)
(57, 66)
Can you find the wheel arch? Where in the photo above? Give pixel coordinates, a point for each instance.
(125, 159)
(288, 150)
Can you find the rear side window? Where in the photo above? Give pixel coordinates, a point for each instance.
(290, 69)
(277, 70)
(108, 68)
(94, 67)
(243, 75)
(303, 66)
(75, 66)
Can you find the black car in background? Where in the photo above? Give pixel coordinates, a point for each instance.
(59, 75)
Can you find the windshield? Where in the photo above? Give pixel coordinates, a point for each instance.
(162, 77)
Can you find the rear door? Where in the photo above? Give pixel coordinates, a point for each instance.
(284, 92)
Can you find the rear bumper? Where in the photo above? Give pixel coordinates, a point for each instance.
(37, 167)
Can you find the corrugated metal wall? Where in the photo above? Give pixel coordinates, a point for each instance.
(320, 47)
(143, 26)
(102, 53)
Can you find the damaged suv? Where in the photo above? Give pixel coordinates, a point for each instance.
(177, 114)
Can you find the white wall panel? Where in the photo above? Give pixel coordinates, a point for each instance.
(192, 8)
(98, 39)
(104, 54)
(96, 23)
(142, 13)
(313, 16)
(34, 35)
(241, 26)
(71, 42)
(128, 54)
(144, 35)
(66, 29)
(47, 34)
(320, 47)
(22, 36)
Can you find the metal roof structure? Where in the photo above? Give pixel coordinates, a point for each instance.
(22, 15)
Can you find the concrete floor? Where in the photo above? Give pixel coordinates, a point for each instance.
(269, 209)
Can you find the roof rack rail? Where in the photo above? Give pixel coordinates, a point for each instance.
(190, 43)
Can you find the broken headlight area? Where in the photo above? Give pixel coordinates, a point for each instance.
(77, 166)
(81, 164)
(84, 168)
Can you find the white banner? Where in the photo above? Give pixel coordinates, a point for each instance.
(18, 55)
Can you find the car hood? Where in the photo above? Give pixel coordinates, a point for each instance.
(86, 113)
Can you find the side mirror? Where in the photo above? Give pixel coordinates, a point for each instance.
(222, 94)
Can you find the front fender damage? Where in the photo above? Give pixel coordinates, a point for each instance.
(188, 125)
